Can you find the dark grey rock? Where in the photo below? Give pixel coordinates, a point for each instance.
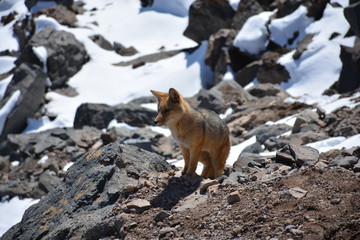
(245, 158)
(206, 17)
(66, 55)
(161, 216)
(220, 97)
(101, 42)
(253, 148)
(85, 193)
(345, 162)
(304, 119)
(352, 15)
(349, 79)
(264, 132)
(267, 89)
(48, 180)
(100, 115)
(300, 155)
(30, 81)
(124, 51)
(248, 74)
(62, 14)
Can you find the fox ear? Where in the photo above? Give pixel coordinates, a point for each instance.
(174, 95)
(157, 94)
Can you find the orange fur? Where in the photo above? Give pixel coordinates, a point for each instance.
(201, 134)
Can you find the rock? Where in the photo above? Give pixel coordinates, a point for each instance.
(264, 132)
(89, 190)
(253, 148)
(206, 17)
(60, 13)
(216, 56)
(161, 216)
(191, 202)
(29, 81)
(244, 159)
(233, 197)
(100, 115)
(66, 55)
(271, 71)
(352, 15)
(343, 122)
(267, 89)
(349, 79)
(24, 29)
(245, 10)
(220, 97)
(300, 155)
(345, 162)
(247, 74)
(48, 180)
(102, 42)
(140, 205)
(206, 184)
(153, 57)
(356, 167)
(168, 230)
(124, 51)
(305, 120)
(294, 192)
(302, 46)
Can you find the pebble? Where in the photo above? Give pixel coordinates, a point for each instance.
(233, 197)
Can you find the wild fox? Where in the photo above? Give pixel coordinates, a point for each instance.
(201, 134)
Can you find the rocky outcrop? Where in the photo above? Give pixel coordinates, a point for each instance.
(100, 115)
(29, 82)
(65, 54)
(88, 191)
(206, 17)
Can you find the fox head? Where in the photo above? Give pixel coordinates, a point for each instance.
(170, 107)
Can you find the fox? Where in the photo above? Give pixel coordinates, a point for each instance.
(201, 134)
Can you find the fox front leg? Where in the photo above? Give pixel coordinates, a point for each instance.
(194, 159)
(186, 155)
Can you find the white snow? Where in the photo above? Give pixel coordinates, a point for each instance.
(67, 166)
(253, 36)
(12, 211)
(6, 64)
(178, 8)
(318, 67)
(283, 29)
(336, 143)
(43, 160)
(234, 4)
(7, 108)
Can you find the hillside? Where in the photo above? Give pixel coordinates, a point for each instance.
(77, 132)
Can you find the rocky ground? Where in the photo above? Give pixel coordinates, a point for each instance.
(121, 187)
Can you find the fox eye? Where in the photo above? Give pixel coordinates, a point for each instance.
(166, 110)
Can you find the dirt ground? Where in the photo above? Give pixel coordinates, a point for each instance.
(329, 208)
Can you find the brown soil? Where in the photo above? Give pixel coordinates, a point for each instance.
(329, 210)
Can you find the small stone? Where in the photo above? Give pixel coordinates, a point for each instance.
(130, 188)
(166, 230)
(206, 184)
(233, 197)
(139, 205)
(335, 201)
(297, 192)
(162, 215)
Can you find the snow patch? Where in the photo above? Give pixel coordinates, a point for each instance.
(7, 108)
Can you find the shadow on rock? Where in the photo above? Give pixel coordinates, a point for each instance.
(177, 188)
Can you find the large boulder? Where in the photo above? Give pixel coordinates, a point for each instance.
(349, 79)
(206, 17)
(220, 97)
(100, 115)
(65, 54)
(29, 82)
(81, 205)
(352, 15)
